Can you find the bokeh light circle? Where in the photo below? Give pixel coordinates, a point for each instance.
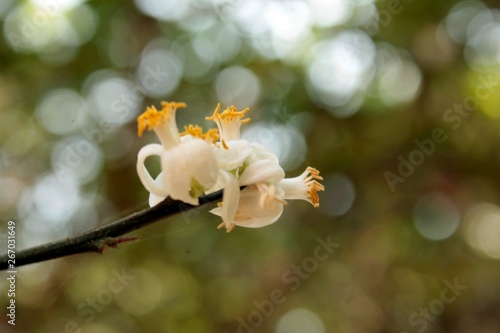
(159, 72)
(112, 99)
(300, 321)
(284, 141)
(340, 69)
(339, 194)
(167, 10)
(78, 158)
(61, 110)
(482, 229)
(435, 216)
(237, 86)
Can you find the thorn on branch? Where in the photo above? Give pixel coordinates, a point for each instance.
(103, 245)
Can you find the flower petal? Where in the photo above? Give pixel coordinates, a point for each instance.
(230, 199)
(155, 199)
(252, 214)
(176, 174)
(202, 162)
(144, 176)
(234, 156)
(260, 222)
(191, 163)
(262, 171)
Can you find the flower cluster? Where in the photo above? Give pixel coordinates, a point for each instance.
(194, 163)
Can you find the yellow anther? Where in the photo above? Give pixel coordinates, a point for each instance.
(211, 135)
(229, 114)
(151, 118)
(314, 173)
(314, 185)
(216, 113)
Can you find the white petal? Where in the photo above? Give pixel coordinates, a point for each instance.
(230, 199)
(187, 138)
(144, 176)
(219, 184)
(261, 152)
(154, 199)
(235, 156)
(191, 160)
(260, 222)
(202, 162)
(176, 175)
(251, 214)
(262, 171)
(217, 211)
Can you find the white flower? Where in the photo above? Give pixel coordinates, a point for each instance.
(192, 163)
(247, 164)
(188, 163)
(262, 204)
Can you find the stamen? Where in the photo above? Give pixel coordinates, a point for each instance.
(216, 113)
(229, 114)
(314, 185)
(314, 173)
(268, 195)
(224, 144)
(231, 227)
(229, 121)
(220, 226)
(303, 187)
(211, 135)
(151, 117)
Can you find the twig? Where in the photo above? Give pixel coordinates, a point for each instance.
(101, 238)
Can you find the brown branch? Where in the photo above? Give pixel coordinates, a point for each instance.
(101, 238)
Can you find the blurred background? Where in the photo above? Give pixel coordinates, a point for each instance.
(395, 102)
